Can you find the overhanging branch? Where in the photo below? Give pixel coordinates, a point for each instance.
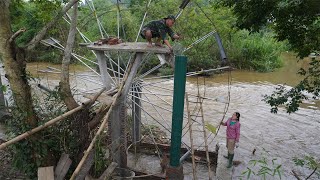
(16, 34)
(44, 30)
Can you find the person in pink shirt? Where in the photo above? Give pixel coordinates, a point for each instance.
(233, 135)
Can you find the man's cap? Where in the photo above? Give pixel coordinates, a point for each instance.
(171, 17)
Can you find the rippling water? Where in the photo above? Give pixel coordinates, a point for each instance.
(280, 136)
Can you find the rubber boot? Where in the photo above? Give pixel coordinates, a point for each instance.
(227, 157)
(230, 161)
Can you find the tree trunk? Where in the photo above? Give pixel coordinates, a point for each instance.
(64, 81)
(14, 63)
(79, 125)
(2, 98)
(3, 108)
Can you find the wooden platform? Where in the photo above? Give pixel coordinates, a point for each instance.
(131, 47)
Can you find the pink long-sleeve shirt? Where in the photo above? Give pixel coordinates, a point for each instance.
(233, 132)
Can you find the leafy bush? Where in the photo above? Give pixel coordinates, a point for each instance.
(257, 51)
(164, 71)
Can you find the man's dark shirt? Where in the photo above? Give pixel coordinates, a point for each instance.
(158, 29)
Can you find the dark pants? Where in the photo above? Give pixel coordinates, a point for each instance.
(143, 33)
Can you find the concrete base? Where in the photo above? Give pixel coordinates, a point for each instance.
(174, 173)
(222, 172)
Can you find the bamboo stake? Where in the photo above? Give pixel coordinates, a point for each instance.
(205, 138)
(51, 122)
(191, 139)
(102, 125)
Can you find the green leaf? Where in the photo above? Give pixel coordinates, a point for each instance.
(211, 128)
(4, 88)
(249, 173)
(279, 173)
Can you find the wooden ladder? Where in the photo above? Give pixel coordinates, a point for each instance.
(191, 119)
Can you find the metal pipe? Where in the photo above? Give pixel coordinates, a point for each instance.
(178, 108)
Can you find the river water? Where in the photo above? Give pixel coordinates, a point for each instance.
(281, 136)
(278, 136)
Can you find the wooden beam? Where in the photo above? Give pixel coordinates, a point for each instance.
(107, 173)
(62, 167)
(131, 47)
(86, 167)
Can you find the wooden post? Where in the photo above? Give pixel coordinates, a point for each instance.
(105, 76)
(103, 124)
(136, 112)
(117, 121)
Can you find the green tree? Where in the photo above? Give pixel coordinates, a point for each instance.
(296, 21)
(13, 57)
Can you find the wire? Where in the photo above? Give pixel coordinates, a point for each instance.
(212, 23)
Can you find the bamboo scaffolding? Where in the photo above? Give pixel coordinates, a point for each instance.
(51, 122)
(103, 124)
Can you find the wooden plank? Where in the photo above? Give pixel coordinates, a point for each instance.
(148, 148)
(62, 167)
(45, 173)
(106, 174)
(86, 166)
(131, 47)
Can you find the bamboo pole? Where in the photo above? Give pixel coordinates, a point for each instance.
(51, 122)
(191, 138)
(205, 138)
(102, 125)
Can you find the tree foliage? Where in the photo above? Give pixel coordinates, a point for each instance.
(200, 18)
(296, 21)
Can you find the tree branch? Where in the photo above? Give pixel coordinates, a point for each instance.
(296, 175)
(312, 173)
(16, 34)
(64, 79)
(32, 44)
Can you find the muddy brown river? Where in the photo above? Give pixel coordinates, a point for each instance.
(282, 136)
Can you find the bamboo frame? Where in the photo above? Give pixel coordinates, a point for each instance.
(51, 122)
